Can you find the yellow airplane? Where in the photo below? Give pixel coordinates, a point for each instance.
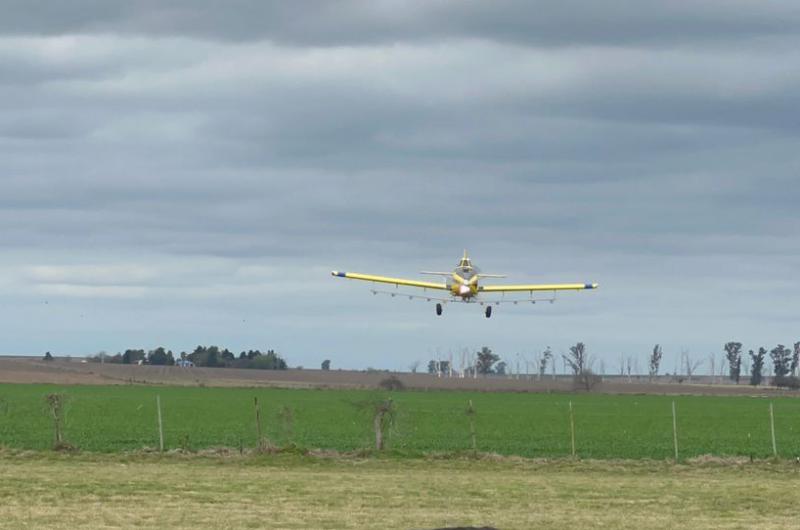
(463, 286)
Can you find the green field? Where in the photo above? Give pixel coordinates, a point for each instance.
(121, 418)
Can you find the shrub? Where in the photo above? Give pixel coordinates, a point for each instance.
(586, 380)
(392, 383)
(786, 381)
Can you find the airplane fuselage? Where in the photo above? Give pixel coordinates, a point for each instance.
(464, 283)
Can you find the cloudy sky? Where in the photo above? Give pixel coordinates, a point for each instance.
(176, 173)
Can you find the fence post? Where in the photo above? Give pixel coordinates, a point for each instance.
(471, 414)
(675, 431)
(160, 425)
(772, 430)
(260, 441)
(572, 427)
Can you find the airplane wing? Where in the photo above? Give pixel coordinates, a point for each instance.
(385, 279)
(537, 287)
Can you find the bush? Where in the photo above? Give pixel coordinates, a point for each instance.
(786, 381)
(586, 380)
(392, 383)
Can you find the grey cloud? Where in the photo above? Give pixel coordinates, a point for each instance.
(368, 22)
(659, 160)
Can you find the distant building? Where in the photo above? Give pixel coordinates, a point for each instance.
(184, 363)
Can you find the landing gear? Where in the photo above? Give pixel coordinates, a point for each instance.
(438, 309)
(488, 311)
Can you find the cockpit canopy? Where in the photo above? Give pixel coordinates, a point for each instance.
(465, 268)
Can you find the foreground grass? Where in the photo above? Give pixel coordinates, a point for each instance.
(42, 490)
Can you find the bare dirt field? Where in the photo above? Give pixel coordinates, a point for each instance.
(40, 490)
(60, 371)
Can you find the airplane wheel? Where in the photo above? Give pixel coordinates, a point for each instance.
(438, 309)
(488, 311)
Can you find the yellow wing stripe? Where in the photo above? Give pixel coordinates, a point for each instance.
(538, 287)
(385, 279)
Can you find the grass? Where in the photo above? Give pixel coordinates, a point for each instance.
(174, 491)
(122, 418)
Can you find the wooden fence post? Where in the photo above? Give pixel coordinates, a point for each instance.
(160, 425)
(471, 414)
(675, 431)
(572, 427)
(260, 441)
(772, 430)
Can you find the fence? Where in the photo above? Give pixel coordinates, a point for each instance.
(121, 418)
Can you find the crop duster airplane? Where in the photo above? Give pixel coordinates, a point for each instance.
(463, 285)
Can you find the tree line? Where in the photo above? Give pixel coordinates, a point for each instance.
(205, 356)
(785, 364)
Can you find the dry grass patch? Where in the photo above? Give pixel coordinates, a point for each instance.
(280, 491)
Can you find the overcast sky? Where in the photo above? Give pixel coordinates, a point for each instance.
(176, 173)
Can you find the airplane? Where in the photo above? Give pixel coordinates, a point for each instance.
(463, 285)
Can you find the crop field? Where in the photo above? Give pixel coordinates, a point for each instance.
(123, 418)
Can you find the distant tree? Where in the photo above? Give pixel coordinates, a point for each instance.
(269, 361)
(733, 353)
(47, 356)
(578, 360)
(486, 360)
(655, 361)
(413, 367)
(133, 356)
(433, 366)
(444, 367)
(213, 357)
(689, 365)
(242, 356)
(757, 366)
(547, 355)
(326, 364)
(227, 356)
(795, 358)
(113, 359)
(781, 359)
(158, 356)
(500, 368)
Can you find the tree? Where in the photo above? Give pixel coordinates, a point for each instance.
(547, 355)
(227, 356)
(655, 361)
(578, 359)
(733, 353)
(689, 365)
(486, 360)
(757, 366)
(158, 356)
(326, 364)
(414, 366)
(269, 361)
(47, 356)
(781, 359)
(444, 367)
(795, 358)
(500, 368)
(133, 356)
(580, 363)
(433, 367)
